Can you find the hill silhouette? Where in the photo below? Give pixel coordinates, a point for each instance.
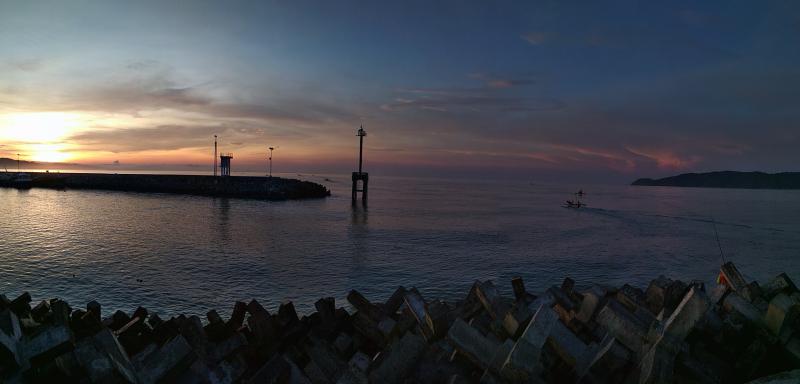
(728, 179)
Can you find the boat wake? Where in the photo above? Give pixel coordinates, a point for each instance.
(631, 217)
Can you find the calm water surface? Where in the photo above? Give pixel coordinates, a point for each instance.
(196, 253)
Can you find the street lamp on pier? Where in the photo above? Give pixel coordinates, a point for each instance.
(270, 160)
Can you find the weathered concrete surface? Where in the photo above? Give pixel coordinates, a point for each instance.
(691, 309)
(782, 309)
(568, 334)
(789, 377)
(470, 342)
(416, 304)
(522, 364)
(104, 359)
(10, 335)
(624, 326)
(611, 364)
(168, 362)
(49, 343)
(402, 358)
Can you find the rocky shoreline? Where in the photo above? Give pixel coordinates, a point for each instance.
(670, 332)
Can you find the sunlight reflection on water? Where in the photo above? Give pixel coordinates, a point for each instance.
(196, 253)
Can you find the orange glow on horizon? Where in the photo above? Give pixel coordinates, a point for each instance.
(39, 135)
(48, 153)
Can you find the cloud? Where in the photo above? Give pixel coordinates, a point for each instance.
(488, 98)
(667, 159)
(287, 110)
(652, 130)
(475, 103)
(535, 38)
(133, 98)
(25, 65)
(679, 120)
(149, 86)
(498, 82)
(162, 137)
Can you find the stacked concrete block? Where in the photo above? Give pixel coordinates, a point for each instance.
(671, 332)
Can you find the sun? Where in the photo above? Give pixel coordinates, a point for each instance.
(39, 136)
(37, 127)
(47, 153)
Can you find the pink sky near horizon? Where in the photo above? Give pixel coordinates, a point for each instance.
(525, 88)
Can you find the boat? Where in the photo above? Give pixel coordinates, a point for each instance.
(22, 181)
(576, 202)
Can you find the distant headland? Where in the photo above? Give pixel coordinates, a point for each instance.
(728, 179)
(11, 164)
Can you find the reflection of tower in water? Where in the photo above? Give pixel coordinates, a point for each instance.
(223, 206)
(358, 233)
(359, 216)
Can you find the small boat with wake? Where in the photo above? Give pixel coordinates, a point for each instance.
(576, 202)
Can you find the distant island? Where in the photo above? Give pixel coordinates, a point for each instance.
(8, 164)
(728, 179)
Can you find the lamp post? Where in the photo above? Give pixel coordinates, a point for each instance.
(270, 161)
(17, 162)
(361, 133)
(215, 155)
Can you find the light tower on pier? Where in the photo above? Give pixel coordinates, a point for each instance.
(360, 175)
(270, 160)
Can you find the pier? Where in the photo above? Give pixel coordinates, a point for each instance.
(230, 186)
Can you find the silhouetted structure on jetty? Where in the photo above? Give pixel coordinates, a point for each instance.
(225, 164)
(230, 186)
(360, 176)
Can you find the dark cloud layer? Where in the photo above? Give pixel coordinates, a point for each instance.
(163, 137)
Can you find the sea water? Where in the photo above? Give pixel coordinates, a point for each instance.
(187, 254)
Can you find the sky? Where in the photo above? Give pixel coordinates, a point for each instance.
(603, 90)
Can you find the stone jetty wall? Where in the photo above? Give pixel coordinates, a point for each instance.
(233, 186)
(669, 332)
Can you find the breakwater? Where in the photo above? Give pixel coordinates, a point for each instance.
(670, 332)
(233, 186)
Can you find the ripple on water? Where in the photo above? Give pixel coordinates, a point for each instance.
(193, 254)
